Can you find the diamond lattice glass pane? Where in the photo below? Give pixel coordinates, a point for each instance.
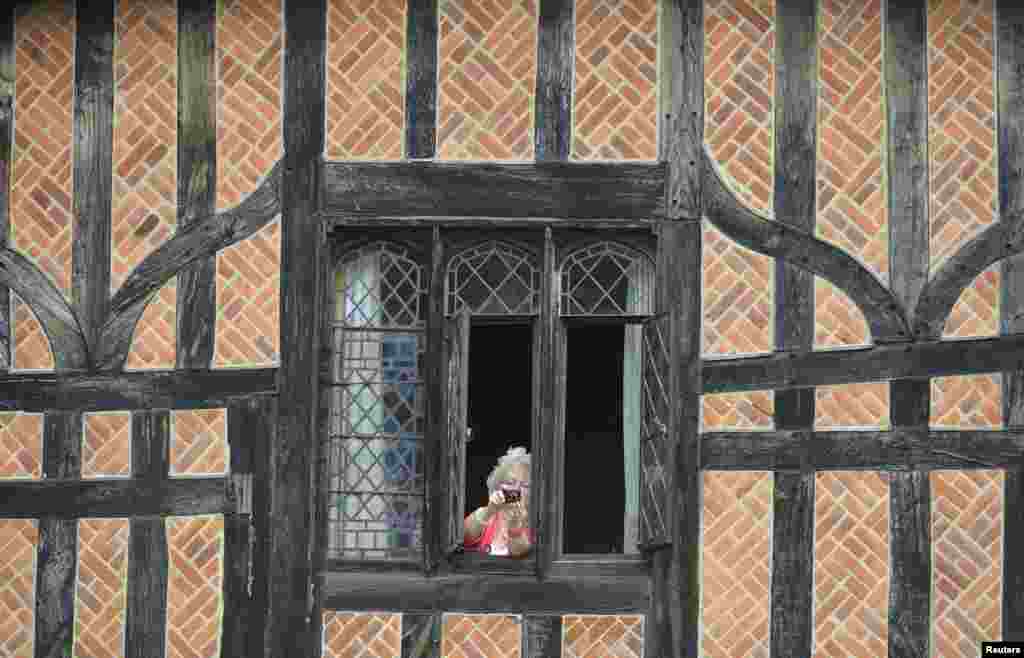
(607, 279)
(379, 285)
(493, 278)
(376, 526)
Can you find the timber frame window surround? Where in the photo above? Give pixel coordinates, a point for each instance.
(402, 304)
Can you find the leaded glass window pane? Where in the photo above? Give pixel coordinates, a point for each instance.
(493, 278)
(377, 422)
(607, 279)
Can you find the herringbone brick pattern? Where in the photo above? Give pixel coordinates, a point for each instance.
(967, 541)
(21, 445)
(602, 636)
(199, 444)
(743, 412)
(154, 343)
(106, 444)
(145, 161)
(248, 299)
(474, 636)
(365, 79)
(961, 122)
(852, 406)
(736, 547)
(852, 209)
(101, 593)
(18, 539)
(739, 87)
(976, 313)
(837, 320)
(194, 600)
(362, 635)
(249, 50)
(967, 402)
(615, 109)
(31, 346)
(41, 220)
(851, 564)
(737, 297)
(486, 78)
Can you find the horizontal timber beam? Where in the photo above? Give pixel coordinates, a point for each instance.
(571, 191)
(486, 593)
(163, 389)
(883, 362)
(116, 498)
(896, 450)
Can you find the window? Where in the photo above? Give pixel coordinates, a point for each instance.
(475, 341)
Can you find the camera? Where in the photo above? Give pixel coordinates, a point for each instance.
(511, 495)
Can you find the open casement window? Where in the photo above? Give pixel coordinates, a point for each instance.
(654, 434)
(456, 430)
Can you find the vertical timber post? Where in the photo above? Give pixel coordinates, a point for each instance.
(673, 624)
(909, 492)
(421, 80)
(6, 159)
(293, 621)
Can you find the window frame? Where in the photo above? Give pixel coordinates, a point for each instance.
(434, 247)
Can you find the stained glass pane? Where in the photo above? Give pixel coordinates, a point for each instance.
(607, 279)
(493, 279)
(377, 421)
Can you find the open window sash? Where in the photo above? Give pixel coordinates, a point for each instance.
(655, 434)
(455, 434)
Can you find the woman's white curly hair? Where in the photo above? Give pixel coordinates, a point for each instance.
(514, 456)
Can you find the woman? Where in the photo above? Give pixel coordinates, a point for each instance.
(502, 527)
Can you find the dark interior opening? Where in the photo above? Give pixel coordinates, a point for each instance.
(594, 490)
(500, 401)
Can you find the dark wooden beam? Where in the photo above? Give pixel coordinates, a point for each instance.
(556, 54)
(673, 620)
(895, 450)
(157, 389)
(916, 360)
(421, 79)
(293, 619)
(57, 551)
(547, 460)
(201, 239)
(421, 635)
(92, 162)
(796, 96)
(906, 80)
(486, 593)
(1010, 70)
(145, 625)
(114, 498)
(6, 140)
(197, 175)
(434, 539)
(477, 189)
(542, 636)
(250, 433)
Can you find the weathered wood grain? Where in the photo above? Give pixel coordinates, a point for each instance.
(146, 617)
(202, 238)
(882, 311)
(910, 553)
(434, 480)
(479, 189)
(542, 636)
(1010, 68)
(486, 593)
(550, 411)
(792, 596)
(197, 175)
(114, 498)
(895, 450)
(6, 141)
(681, 117)
(92, 163)
(421, 635)
(57, 550)
(917, 360)
(556, 52)
(293, 621)
(158, 389)
(421, 79)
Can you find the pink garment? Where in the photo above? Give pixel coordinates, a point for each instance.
(482, 544)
